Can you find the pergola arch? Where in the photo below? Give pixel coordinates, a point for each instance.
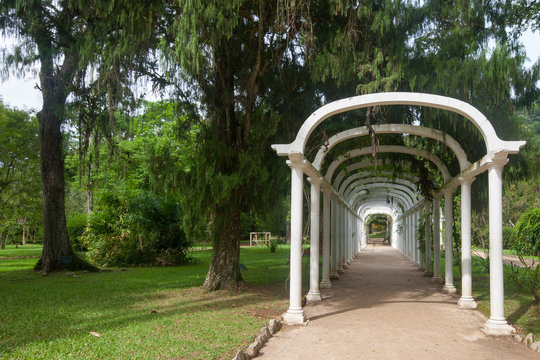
(388, 175)
(376, 207)
(394, 129)
(358, 169)
(469, 112)
(389, 149)
(346, 213)
(399, 191)
(400, 199)
(346, 192)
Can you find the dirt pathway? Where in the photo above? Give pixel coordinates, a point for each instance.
(508, 259)
(383, 308)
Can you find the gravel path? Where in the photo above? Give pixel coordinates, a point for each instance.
(383, 308)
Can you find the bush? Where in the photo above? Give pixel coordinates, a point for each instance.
(526, 236)
(76, 224)
(527, 277)
(129, 228)
(273, 244)
(508, 232)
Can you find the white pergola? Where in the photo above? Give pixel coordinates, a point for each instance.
(360, 191)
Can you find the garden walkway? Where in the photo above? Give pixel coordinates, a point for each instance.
(383, 308)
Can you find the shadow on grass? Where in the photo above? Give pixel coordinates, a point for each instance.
(39, 310)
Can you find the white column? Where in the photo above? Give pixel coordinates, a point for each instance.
(421, 259)
(406, 235)
(428, 272)
(350, 239)
(466, 301)
(345, 237)
(295, 313)
(496, 325)
(314, 294)
(437, 241)
(448, 242)
(404, 240)
(333, 243)
(325, 282)
(340, 237)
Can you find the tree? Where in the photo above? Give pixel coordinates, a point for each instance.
(65, 37)
(233, 51)
(19, 164)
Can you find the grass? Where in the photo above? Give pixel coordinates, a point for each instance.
(519, 307)
(20, 251)
(508, 252)
(141, 313)
(380, 234)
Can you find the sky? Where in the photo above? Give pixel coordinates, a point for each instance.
(22, 93)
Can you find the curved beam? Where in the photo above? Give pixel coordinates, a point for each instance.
(362, 164)
(377, 208)
(372, 180)
(406, 198)
(389, 149)
(399, 196)
(365, 174)
(492, 141)
(394, 129)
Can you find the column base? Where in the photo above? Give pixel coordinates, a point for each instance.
(334, 275)
(467, 303)
(498, 328)
(451, 289)
(340, 271)
(421, 268)
(345, 266)
(325, 284)
(294, 317)
(313, 295)
(436, 279)
(428, 273)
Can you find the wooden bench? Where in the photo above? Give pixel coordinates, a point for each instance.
(254, 238)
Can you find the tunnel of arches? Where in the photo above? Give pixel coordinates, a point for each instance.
(390, 161)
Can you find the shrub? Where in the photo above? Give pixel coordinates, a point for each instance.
(508, 232)
(129, 228)
(76, 224)
(527, 277)
(526, 236)
(273, 244)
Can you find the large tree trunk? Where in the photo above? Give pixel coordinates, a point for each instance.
(224, 271)
(57, 253)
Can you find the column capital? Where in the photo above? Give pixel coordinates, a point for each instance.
(325, 187)
(449, 191)
(296, 164)
(314, 181)
(499, 160)
(466, 180)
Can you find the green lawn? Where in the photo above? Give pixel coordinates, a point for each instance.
(380, 234)
(25, 250)
(141, 313)
(520, 309)
(508, 252)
